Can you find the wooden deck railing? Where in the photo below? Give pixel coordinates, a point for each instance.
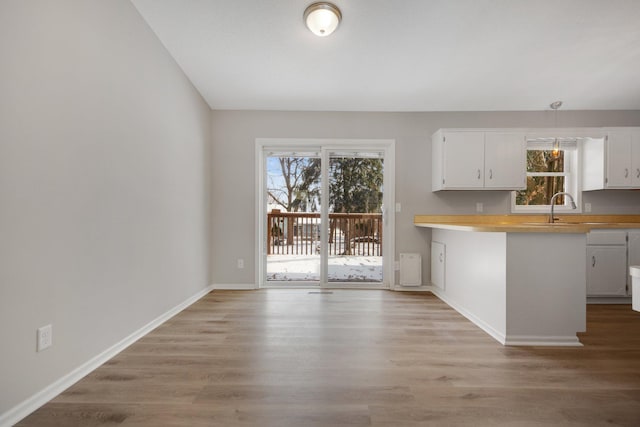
(298, 233)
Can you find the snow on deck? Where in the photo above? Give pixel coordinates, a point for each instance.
(342, 268)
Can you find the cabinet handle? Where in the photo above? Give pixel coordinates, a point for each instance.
(490, 173)
(626, 172)
(593, 261)
(478, 173)
(638, 173)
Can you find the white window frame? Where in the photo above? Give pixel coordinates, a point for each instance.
(571, 174)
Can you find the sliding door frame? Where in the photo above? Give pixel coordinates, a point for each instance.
(386, 146)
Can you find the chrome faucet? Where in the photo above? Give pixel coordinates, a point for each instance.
(553, 204)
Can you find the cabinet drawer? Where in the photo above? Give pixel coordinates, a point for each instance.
(607, 237)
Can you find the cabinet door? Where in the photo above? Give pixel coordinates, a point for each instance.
(635, 160)
(606, 270)
(594, 164)
(463, 160)
(634, 252)
(438, 262)
(505, 161)
(619, 171)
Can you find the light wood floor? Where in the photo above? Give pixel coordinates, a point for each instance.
(354, 358)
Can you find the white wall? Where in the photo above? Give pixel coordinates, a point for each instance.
(104, 185)
(234, 134)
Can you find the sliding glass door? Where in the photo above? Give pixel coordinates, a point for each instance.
(355, 182)
(322, 214)
(293, 231)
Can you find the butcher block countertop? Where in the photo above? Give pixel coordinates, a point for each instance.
(528, 223)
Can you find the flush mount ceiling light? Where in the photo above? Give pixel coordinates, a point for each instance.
(322, 18)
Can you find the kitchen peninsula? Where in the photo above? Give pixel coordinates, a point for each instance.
(519, 278)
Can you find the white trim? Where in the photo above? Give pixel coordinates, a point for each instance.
(261, 206)
(609, 300)
(26, 407)
(547, 341)
(509, 340)
(547, 132)
(497, 335)
(324, 216)
(573, 185)
(421, 288)
(235, 286)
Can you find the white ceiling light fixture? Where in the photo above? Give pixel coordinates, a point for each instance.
(322, 18)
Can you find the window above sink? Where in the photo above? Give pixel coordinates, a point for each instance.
(551, 167)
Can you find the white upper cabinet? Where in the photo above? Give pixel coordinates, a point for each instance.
(635, 159)
(477, 160)
(462, 160)
(505, 160)
(612, 162)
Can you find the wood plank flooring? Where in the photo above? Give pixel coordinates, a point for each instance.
(354, 358)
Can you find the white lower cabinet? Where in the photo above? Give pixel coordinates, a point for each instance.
(633, 253)
(438, 263)
(609, 254)
(606, 271)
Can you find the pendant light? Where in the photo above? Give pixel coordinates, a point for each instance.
(555, 152)
(322, 18)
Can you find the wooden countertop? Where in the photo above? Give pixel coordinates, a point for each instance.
(528, 223)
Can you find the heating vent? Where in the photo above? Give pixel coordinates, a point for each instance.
(410, 270)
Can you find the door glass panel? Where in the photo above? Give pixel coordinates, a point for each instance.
(293, 217)
(354, 243)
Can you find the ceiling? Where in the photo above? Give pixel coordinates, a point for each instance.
(407, 55)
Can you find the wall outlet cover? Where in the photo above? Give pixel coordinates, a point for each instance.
(45, 337)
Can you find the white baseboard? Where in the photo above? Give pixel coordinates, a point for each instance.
(497, 335)
(421, 288)
(20, 411)
(547, 341)
(235, 286)
(505, 339)
(608, 300)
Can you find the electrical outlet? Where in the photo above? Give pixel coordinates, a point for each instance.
(396, 265)
(45, 337)
(479, 207)
(587, 207)
(240, 263)
(398, 207)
